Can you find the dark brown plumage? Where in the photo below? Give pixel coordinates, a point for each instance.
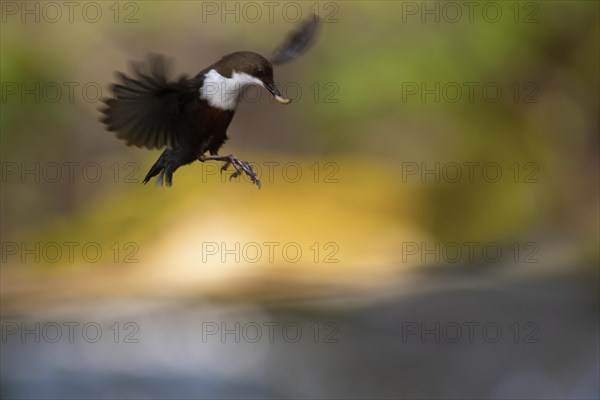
(190, 116)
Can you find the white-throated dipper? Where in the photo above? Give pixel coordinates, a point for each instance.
(190, 117)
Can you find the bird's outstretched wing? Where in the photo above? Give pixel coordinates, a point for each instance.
(297, 42)
(147, 110)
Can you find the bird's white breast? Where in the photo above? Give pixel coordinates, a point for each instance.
(222, 92)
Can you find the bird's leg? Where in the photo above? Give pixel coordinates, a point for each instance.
(239, 165)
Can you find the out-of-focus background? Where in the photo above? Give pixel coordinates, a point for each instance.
(427, 225)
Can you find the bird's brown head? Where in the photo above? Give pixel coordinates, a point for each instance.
(246, 65)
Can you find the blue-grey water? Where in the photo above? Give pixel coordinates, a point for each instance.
(462, 334)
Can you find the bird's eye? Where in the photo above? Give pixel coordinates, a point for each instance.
(260, 70)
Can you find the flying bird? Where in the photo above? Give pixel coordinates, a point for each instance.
(190, 117)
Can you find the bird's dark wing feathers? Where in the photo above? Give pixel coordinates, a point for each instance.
(147, 110)
(297, 42)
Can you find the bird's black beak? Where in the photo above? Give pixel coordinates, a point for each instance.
(270, 86)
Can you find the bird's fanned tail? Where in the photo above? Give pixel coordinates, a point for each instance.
(164, 168)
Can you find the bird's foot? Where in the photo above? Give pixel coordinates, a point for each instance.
(239, 165)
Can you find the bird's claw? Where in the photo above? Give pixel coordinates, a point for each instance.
(243, 166)
(239, 166)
